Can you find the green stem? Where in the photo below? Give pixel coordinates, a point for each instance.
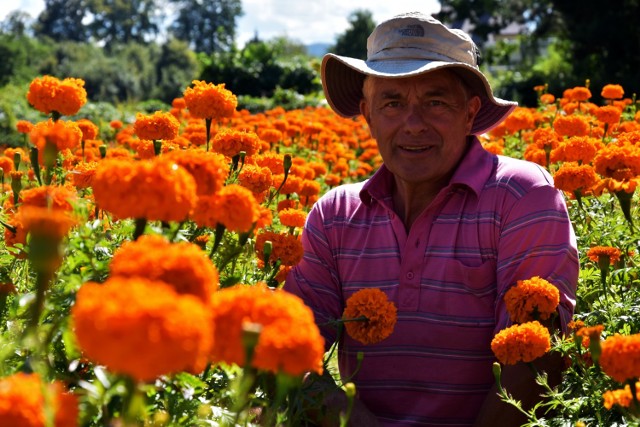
(141, 224)
(207, 123)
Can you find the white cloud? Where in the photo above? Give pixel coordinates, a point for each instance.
(308, 21)
(32, 7)
(316, 21)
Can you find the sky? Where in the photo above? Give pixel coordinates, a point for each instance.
(310, 21)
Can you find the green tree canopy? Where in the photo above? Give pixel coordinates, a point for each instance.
(207, 26)
(123, 21)
(353, 42)
(597, 41)
(16, 23)
(62, 20)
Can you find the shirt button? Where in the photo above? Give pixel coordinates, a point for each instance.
(410, 275)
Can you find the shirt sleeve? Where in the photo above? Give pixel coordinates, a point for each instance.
(537, 239)
(315, 277)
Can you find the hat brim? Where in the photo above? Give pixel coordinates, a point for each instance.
(343, 77)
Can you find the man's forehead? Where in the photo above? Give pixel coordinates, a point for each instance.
(431, 82)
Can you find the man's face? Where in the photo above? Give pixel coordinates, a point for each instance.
(421, 125)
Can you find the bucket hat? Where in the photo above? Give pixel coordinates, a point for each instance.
(409, 45)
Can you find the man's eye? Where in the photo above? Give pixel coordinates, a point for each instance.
(435, 103)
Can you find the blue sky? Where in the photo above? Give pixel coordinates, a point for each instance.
(310, 21)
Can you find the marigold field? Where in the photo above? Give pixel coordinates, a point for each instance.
(143, 259)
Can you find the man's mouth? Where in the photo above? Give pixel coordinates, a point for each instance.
(415, 149)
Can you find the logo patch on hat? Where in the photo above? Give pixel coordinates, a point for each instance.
(412, 31)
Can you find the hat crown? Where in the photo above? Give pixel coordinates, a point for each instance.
(418, 36)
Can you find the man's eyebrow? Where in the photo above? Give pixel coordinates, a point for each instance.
(390, 94)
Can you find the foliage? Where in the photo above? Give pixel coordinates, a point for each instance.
(115, 21)
(37, 298)
(602, 50)
(63, 20)
(353, 42)
(261, 67)
(207, 26)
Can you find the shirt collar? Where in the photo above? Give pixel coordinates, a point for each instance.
(474, 170)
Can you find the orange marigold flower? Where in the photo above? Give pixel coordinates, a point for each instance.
(6, 164)
(292, 217)
(154, 189)
(208, 101)
(545, 138)
(547, 98)
(231, 142)
(61, 133)
(285, 247)
(179, 103)
(571, 125)
(270, 135)
(590, 333)
(265, 218)
(48, 94)
(581, 149)
(520, 119)
(116, 124)
(271, 160)
(293, 184)
(53, 196)
(612, 91)
(618, 162)
(24, 126)
(608, 114)
(43, 221)
(309, 188)
(141, 328)
(332, 180)
(23, 402)
(88, 128)
(494, 147)
(145, 148)
(572, 177)
(210, 170)
(531, 299)
(577, 94)
(156, 126)
(289, 340)
(376, 316)
(524, 342)
(16, 235)
(182, 265)
(621, 397)
(620, 357)
(233, 206)
(600, 254)
(255, 178)
(82, 174)
(287, 204)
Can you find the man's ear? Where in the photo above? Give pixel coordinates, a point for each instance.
(473, 106)
(365, 110)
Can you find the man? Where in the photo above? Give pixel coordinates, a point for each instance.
(444, 228)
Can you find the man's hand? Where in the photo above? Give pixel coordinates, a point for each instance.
(519, 381)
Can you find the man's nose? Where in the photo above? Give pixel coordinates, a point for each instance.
(415, 119)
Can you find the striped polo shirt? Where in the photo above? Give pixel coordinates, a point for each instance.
(498, 221)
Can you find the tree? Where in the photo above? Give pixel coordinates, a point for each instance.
(62, 20)
(353, 42)
(207, 26)
(176, 68)
(603, 49)
(16, 23)
(123, 21)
